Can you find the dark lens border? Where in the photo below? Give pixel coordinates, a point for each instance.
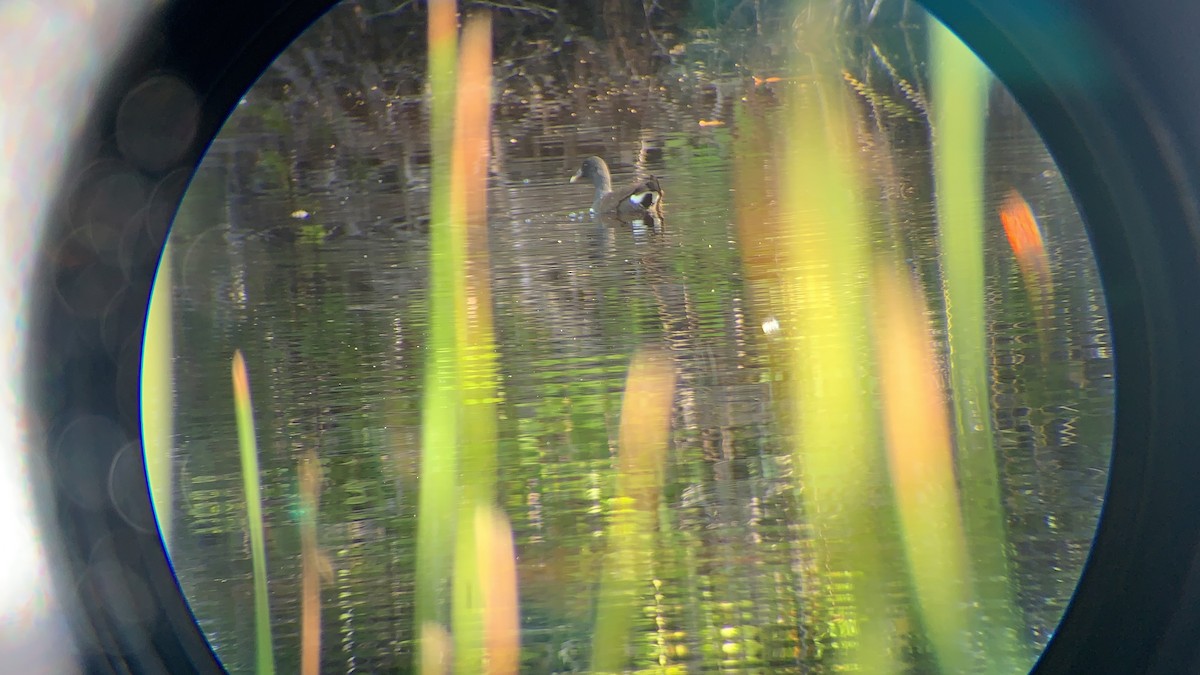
(92, 291)
(1103, 82)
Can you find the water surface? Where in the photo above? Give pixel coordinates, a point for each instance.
(303, 242)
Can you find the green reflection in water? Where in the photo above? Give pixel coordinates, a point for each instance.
(337, 335)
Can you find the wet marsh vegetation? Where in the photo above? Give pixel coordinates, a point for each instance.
(850, 409)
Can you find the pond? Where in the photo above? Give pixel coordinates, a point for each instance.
(304, 242)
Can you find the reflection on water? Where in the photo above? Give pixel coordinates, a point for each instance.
(303, 242)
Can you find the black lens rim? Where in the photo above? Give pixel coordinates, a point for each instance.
(1081, 75)
(119, 591)
(1121, 136)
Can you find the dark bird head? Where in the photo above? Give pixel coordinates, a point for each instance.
(593, 168)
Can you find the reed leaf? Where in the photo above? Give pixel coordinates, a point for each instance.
(248, 448)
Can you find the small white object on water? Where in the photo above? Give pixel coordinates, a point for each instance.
(770, 326)
(300, 214)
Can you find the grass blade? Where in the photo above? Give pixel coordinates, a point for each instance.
(921, 463)
(643, 438)
(248, 447)
(313, 565)
(958, 117)
(475, 349)
(438, 489)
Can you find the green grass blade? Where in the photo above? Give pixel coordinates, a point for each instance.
(475, 353)
(643, 439)
(248, 447)
(438, 490)
(959, 114)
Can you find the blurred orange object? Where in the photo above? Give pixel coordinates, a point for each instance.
(1025, 238)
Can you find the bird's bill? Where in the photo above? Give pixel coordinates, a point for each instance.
(577, 176)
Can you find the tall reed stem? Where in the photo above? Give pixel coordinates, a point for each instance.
(829, 391)
(958, 116)
(311, 563)
(248, 447)
(921, 465)
(474, 342)
(643, 439)
(438, 488)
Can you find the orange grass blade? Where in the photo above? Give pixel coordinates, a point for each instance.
(475, 344)
(645, 426)
(643, 440)
(437, 649)
(248, 448)
(921, 461)
(498, 575)
(1025, 237)
(468, 205)
(311, 563)
(1019, 224)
